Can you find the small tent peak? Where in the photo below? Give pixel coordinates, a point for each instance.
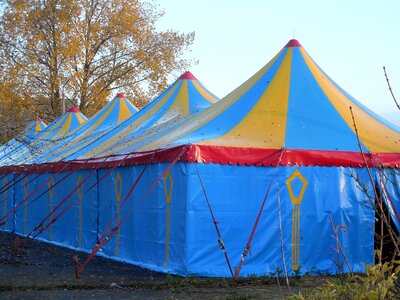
(120, 95)
(188, 76)
(38, 119)
(293, 43)
(74, 110)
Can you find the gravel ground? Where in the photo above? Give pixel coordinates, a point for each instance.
(31, 269)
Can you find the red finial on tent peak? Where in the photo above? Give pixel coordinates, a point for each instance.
(38, 119)
(120, 95)
(188, 76)
(74, 110)
(293, 43)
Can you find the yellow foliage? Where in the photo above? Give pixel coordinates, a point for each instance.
(85, 51)
(15, 112)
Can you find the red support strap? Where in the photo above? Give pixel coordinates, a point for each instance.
(38, 197)
(40, 225)
(123, 203)
(220, 241)
(247, 248)
(106, 237)
(4, 218)
(72, 204)
(30, 181)
(7, 186)
(104, 176)
(44, 227)
(15, 182)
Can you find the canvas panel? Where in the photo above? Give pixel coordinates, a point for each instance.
(236, 195)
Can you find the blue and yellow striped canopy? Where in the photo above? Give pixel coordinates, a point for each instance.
(184, 98)
(27, 136)
(47, 137)
(64, 124)
(290, 106)
(114, 113)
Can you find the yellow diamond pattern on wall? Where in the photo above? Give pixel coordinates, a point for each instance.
(296, 199)
(296, 175)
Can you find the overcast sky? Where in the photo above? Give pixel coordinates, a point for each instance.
(349, 39)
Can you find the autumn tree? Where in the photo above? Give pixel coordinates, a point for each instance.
(83, 51)
(15, 112)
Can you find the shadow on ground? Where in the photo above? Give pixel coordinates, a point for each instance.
(31, 269)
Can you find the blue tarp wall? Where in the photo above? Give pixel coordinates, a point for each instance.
(170, 228)
(7, 201)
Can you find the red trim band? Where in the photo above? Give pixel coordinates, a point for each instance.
(289, 157)
(220, 155)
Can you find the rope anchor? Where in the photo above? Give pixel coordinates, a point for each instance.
(221, 244)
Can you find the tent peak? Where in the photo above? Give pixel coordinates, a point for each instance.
(38, 119)
(187, 75)
(120, 95)
(74, 109)
(293, 43)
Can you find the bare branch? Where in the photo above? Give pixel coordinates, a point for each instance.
(390, 88)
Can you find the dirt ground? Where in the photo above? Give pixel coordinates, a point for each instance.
(37, 270)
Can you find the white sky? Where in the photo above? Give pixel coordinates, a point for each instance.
(349, 39)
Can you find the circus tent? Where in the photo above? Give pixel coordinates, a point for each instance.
(266, 170)
(185, 97)
(29, 133)
(113, 114)
(291, 126)
(290, 107)
(53, 133)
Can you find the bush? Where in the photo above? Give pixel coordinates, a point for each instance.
(378, 282)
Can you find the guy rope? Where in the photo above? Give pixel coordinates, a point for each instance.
(108, 232)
